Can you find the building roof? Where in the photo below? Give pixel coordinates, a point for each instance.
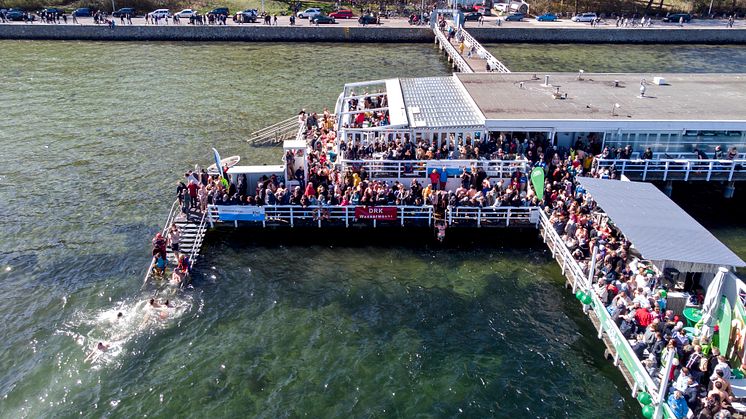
(696, 97)
(658, 228)
(436, 102)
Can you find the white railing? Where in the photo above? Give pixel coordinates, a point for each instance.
(678, 169)
(458, 60)
(175, 208)
(495, 64)
(400, 169)
(198, 238)
(292, 215)
(494, 216)
(581, 280)
(274, 132)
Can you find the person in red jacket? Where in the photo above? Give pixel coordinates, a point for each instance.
(643, 316)
(435, 179)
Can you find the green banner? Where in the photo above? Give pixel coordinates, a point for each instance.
(623, 348)
(537, 180)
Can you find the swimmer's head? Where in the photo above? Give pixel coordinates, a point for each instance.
(120, 315)
(152, 301)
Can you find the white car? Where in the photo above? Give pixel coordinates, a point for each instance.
(309, 13)
(160, 13)
(186, 14)
(584, 17)
(512, 6)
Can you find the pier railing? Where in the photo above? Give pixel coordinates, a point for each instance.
(678, 169)
(607, 328)
(495, 64)
(405, 215)
(417, 169)
(458, 61)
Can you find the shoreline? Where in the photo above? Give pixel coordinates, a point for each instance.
(368, 34)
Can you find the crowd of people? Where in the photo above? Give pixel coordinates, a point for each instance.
(633, 292)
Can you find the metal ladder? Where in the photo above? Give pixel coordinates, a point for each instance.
(275, 133)
(193, 229)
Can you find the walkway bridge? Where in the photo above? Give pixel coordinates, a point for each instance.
(475, 59)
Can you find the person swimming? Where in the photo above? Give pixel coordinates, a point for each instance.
(100, 348)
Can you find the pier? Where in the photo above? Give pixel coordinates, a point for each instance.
(475, 59)
(466, 151)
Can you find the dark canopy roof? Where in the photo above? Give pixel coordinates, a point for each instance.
(658, 228)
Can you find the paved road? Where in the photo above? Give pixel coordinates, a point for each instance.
(489, 22)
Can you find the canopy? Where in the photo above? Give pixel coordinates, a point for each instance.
(658, 228)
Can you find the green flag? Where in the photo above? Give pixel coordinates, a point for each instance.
(537, 180)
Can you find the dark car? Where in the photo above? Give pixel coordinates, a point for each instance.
(367, 20)
(82, 12)
(246, 16)
(219, 11)
(323, 19)
(676, 17)
(54, 11)
(18, 14)
(124, 11)
(515, 17)
(472, 16)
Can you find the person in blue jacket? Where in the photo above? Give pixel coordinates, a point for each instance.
(677, 403)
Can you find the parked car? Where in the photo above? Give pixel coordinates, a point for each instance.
(246, 16)
(186, 14)
(82, 12)
(18, 14)
(547, 17)
(54, 11)
(368, 20)
(219, 11)
(515, 17)
(584, 17)
(160, 13)
(472, 16)
(124, 11)
(323, 19)
(511, 6)
(676, 17)
(485, 11)
(342, 14)
(309, 13)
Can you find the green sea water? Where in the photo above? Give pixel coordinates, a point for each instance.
(93, 137)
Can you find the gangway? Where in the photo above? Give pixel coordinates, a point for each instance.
(193, 227)
(476, 58)
(275, 133)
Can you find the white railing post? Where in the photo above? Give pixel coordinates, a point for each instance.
(732, 169)
(709, 170)
(665, 170)
(401, 216)
(479, 217)
(292, 220)
(507, 220)
(374, 223)
(347, 216)
(429, 216)
(645, 170)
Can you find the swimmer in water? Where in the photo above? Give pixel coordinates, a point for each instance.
(96, 352)
(120, 315)
(154, 303)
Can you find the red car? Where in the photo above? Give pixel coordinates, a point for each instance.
(342, 14)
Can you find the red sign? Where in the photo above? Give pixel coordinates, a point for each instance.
(376, 213)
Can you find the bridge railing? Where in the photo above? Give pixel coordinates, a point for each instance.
(458, 60)
(495, 64)
(405, 215)
(678, 169)
(417, 169)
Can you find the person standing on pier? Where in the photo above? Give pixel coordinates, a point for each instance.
(174, 236)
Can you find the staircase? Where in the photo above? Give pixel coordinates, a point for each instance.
(277, 133)
(193, 229)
